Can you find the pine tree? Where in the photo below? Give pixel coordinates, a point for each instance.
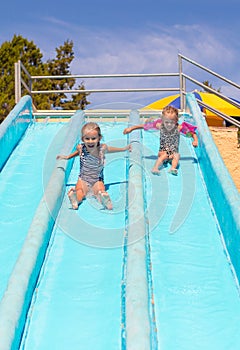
(61, 66)
(207, 83)
(11, 52)
(31, 57)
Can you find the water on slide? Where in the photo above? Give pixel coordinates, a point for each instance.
(77, 303)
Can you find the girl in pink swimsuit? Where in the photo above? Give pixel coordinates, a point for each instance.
(169, 137)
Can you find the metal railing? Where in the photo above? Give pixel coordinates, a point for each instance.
(184, 78)
(182, 89)
(28, 86)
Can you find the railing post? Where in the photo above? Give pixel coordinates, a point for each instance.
(17, 81)
(181, 83)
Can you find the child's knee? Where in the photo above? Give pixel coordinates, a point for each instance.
(80, 193)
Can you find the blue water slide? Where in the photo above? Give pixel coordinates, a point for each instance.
(78, 299)
(13, 128)
(160, 271)
(28, 167)
(193, 245)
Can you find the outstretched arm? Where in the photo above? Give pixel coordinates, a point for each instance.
(131, 128)
(72, 155)
(195, 140)
(188, 130)
(110, 149)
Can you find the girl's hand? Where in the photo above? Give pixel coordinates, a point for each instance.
(61, 157)
(129, 147)
(195, 143)
(127, 130)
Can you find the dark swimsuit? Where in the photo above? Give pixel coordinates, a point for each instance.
(169, 140)
(91, 168)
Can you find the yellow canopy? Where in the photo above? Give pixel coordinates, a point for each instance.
(206, 97)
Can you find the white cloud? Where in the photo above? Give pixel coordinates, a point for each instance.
(152, 49)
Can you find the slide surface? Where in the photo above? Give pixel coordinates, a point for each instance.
(196, 298)
(22, 183)
(78, 302)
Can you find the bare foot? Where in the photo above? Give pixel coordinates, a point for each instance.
(73, 198)
(173, 171)
(105, 200)
(155, 171)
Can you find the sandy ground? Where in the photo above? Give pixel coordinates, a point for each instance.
(227, 142)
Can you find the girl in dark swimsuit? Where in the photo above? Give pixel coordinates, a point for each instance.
(92, 154)
(169, 141)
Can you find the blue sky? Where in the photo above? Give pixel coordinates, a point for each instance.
(131, 36)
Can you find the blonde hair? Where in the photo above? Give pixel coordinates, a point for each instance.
(90, 127)
(171, 110)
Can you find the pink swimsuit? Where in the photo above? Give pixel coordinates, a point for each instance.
(152, 124)
(185, 128)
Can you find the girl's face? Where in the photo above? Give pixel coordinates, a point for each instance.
(91, 139)
(169, 121)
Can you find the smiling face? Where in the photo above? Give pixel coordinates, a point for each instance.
(91, 139)
(169, 119)
(169, 123)
(91, 136)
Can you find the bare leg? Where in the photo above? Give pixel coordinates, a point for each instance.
(175, 160)
(73, 198)
(101, 194)
(162, 156)
(105, 200)
(78, 194)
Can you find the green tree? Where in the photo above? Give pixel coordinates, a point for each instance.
(31, 57)
(79, 100)
(207, 83)
(60, 66)
(11, 52)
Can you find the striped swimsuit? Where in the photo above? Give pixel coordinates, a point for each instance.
(91, 168)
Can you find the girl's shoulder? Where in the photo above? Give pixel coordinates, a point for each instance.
(79, 147)
(103, 148)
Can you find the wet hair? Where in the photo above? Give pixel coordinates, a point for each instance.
(90, 127)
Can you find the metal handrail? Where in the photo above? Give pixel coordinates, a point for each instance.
(220, 114)
(209, 71)
(212, 91)
(86, 76)
(181, 89)
(185, 78)
(104, 90)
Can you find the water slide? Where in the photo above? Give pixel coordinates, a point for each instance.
(160, 271)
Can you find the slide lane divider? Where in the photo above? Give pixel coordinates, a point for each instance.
(17, 297)
(153, 325)
(137, 318)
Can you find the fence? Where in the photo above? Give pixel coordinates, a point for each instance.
(182, 88)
